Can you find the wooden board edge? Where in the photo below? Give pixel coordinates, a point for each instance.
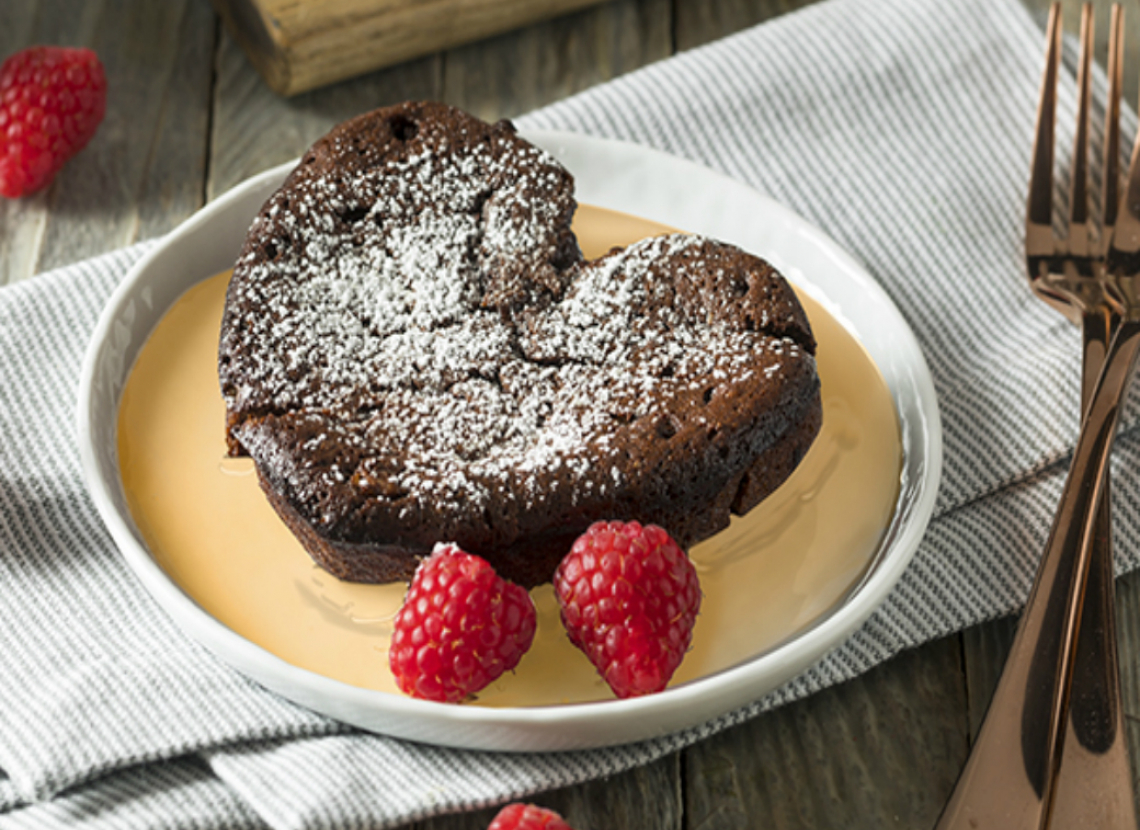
(335, 40)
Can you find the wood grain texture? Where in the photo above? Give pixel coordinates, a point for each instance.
(1128, 640)
(646, 798)
(254, 128)
(299, 45)
(881, 750)
(523, 70)
(984, 650)
(142, 173)
(697, 23)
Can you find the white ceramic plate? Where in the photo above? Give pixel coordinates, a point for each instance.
(609, 174)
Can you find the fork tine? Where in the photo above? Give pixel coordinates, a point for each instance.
(1079, 198)
(1039, 209)
(1124, 241)
(1112, 123)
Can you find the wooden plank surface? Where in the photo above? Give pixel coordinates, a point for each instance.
(647, 797)
(1128, 639)
(882, 750)
(189, 117)
(142, 173)
(253, 128)
(523, 70)
(698, 23)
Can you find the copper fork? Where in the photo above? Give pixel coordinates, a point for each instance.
(1051, 751)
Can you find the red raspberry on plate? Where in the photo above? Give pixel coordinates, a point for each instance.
(51, 100)
(527, 817)
(629, 597)
(460, 627)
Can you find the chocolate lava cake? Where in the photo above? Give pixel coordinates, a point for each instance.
(414, 350)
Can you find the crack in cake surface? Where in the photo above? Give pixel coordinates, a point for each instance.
(439, 344)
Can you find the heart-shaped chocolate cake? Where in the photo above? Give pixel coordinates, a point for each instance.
(414, 351)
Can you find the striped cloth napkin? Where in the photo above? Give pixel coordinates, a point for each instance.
(900, 127)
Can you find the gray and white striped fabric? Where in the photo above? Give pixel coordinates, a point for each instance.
(900, 127)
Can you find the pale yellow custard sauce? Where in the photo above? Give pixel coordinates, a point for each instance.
(769, 575)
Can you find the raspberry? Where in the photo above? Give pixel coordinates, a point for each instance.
(527, 817)
(629, 597)
(51, 101)
(460, 627)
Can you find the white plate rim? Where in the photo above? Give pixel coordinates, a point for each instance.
(599, 166)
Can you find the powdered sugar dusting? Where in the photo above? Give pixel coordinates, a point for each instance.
(419, 315)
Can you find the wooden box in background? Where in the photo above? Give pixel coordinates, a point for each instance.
(298, 45)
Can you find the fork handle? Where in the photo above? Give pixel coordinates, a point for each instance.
(1008, 778)
(1093, 784)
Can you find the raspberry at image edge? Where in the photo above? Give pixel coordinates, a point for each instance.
(520, 816)
(52, 99)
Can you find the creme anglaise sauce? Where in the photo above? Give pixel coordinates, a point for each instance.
(766, 577)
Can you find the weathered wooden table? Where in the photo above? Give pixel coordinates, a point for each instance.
(188, 118)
